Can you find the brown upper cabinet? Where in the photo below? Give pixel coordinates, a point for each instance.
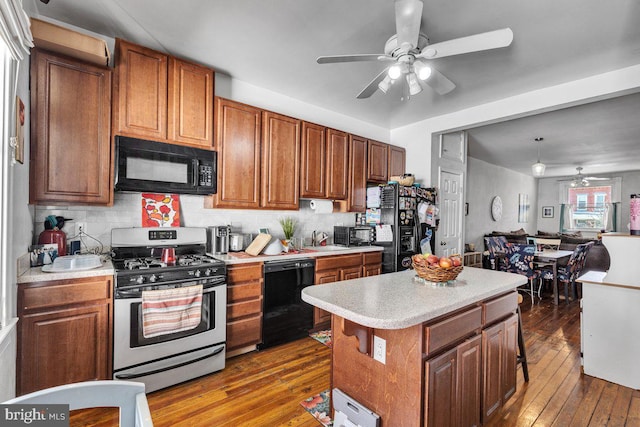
(280, 161)
(378, 154)
(162, 98)
(190, 104)
(337, 164)
(258, 158)
(238, 142)
(70, 131)
(396, 161)
(313, 161)
(357, 201)
(324, 171)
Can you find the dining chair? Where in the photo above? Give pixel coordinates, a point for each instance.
(519, 259)
(545, 268)
(128, 396)
(496, 247)
(547, 244)
(567, 274)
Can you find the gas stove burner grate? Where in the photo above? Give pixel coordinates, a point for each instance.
(194, 259)
(143, 263)
(189, 260)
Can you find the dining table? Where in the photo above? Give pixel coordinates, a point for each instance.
(553, 258)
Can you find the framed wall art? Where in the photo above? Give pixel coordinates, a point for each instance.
(523, 207)
(547, 212)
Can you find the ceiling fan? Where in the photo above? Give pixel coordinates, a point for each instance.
(579, 180)
(409, 53)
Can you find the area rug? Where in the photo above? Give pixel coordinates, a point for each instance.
(323, 336)
(318, 407)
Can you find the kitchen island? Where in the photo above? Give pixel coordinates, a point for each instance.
(418, 354)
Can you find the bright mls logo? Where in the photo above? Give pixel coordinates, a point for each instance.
(34, 415)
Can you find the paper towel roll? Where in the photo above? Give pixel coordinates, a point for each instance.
(321, 206)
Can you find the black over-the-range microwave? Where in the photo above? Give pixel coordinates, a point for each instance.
(158, 167)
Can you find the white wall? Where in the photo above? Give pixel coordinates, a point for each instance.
(484, 182)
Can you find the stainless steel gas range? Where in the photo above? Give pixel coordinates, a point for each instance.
(155, 259)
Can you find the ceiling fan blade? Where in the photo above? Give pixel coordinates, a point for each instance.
(438, 82)
(408, 17)
(352, 58)
(373, 86)
(484, 41)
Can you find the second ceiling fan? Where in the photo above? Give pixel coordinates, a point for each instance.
(408, 52)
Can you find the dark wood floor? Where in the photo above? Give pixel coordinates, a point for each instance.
(265, 388)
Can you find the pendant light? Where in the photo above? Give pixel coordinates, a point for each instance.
(537, 169)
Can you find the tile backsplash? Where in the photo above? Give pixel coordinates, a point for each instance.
(126, 212)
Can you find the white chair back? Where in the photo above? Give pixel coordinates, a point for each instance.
(547, 244)
(129, 396)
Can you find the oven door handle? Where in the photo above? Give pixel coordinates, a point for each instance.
(168, 368)
(138, 293)
(213, 283)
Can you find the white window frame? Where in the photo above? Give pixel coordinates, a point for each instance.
(582, 201)
(599, 200)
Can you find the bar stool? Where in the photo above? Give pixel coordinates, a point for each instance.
(522, 354)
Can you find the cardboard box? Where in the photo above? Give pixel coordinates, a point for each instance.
(69, 42)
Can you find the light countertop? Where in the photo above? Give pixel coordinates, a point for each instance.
(397, 301)
(307, 252)
(35, 274)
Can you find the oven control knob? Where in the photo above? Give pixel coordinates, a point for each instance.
(207, 272)
(140, 280)
(197, 273)
(153, 278)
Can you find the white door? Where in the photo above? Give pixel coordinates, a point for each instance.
(449, 234)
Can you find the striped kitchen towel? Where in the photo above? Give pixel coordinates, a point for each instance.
(167, 311)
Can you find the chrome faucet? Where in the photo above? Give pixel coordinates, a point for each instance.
(317, 237)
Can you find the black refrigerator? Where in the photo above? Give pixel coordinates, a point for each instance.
(399, 211)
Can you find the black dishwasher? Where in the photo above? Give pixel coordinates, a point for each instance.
(285, 316)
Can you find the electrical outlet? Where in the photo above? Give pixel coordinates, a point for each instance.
(81, 227)
(379, 349)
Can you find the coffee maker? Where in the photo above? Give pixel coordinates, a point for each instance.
(218, 239)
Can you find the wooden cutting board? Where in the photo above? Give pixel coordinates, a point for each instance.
(258, 244)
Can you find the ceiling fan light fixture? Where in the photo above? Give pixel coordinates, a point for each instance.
(385, 84)
(414, 85)
(395, 71)
(422, 70)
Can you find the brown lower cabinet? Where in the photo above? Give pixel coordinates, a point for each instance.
(244, 305)
(64, 332)
(499, 350)
(453, 383)
(343, 267)
(455, 370)
(371, 264)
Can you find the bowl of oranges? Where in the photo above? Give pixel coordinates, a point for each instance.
(437, 269)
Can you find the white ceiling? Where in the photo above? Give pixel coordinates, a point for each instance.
(274, 44)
